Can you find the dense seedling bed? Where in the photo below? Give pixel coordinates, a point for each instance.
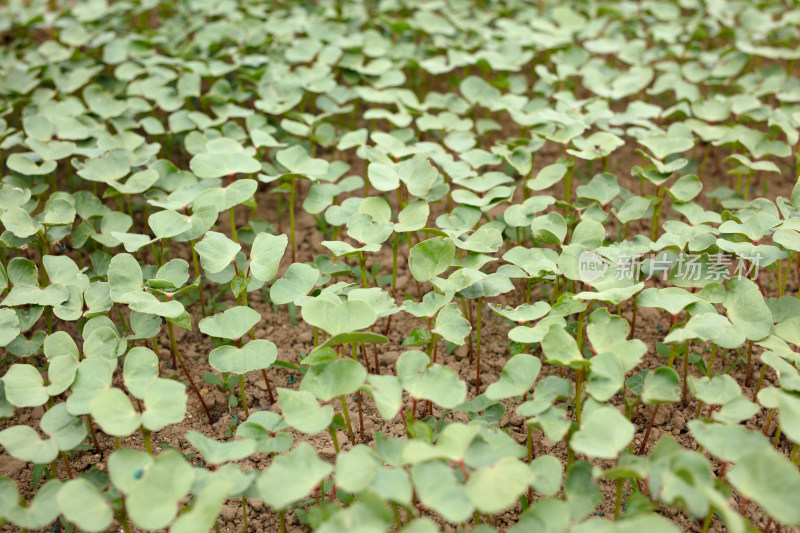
(399, 266)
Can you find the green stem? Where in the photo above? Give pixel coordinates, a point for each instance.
(618, 501)
(707, 521)
(749, 363)
(282, 516)
(568, 186)
(673, 353)
(578, 393)
(334, 438)
(478, 348)
(292, 193)
(197, 275)
(711, 359)
(395, 245)
(243, 397)
(362, 262)
(685, 393)
(124, 322)
(244, 512)
(655, 223)
(146, 438)
(346, 414)
(234, 235)
(177, 355)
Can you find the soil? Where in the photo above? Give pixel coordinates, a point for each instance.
(293, 341)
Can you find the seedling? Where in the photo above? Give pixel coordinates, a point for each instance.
(589, 229)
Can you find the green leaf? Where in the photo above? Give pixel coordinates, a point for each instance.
(662, 385)
(583, 495)
(114, 413)
(9, 329)
(25, 444)
(231, 324)
(298, 280)
(266, 254)
(83, 504)
(255, 355)
(747, 309)
(223, 157)
(436, 383)
(496, 488)
(41, 511)
(387, 394)
(686, 188)
(451, 324)
(302, 412)
(560, 348)
(165, 404)
(216, 251)
(337, 317)
(65, 430)
(356, 468)
(602, 188)
(548, 472)
(215, 452)
(152, 501)
(297, 161)
(326, 381)
(604, 432)
(663, 145)
(19, 222)
(124, 277)
(111, 166)
(168, 223)
(24, 386)
(206, 509)
(438, 489)
(517, 377)
(431, 257)
(718, 390)
(292, 476)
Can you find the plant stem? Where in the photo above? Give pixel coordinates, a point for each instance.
(769, 421)
(578, 393)
(91, 430)
(649, 427)
(749, 363)
(197, 275)
(395, 245)
(711, 359)
(269, 387)
(346, 414)
(66, 464)
(282, 516)
(568, 186)
(478, 352)
(633, 319)
(618, 501)
(362, 262)
(655, 223)
(177, 355)
(707, 521)
(685, 393)
(123, 520)
(234, 235)
(292, 192)
(146, 438)
(334, 438)
(760, 380)
(243, 396)
(244, 512)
